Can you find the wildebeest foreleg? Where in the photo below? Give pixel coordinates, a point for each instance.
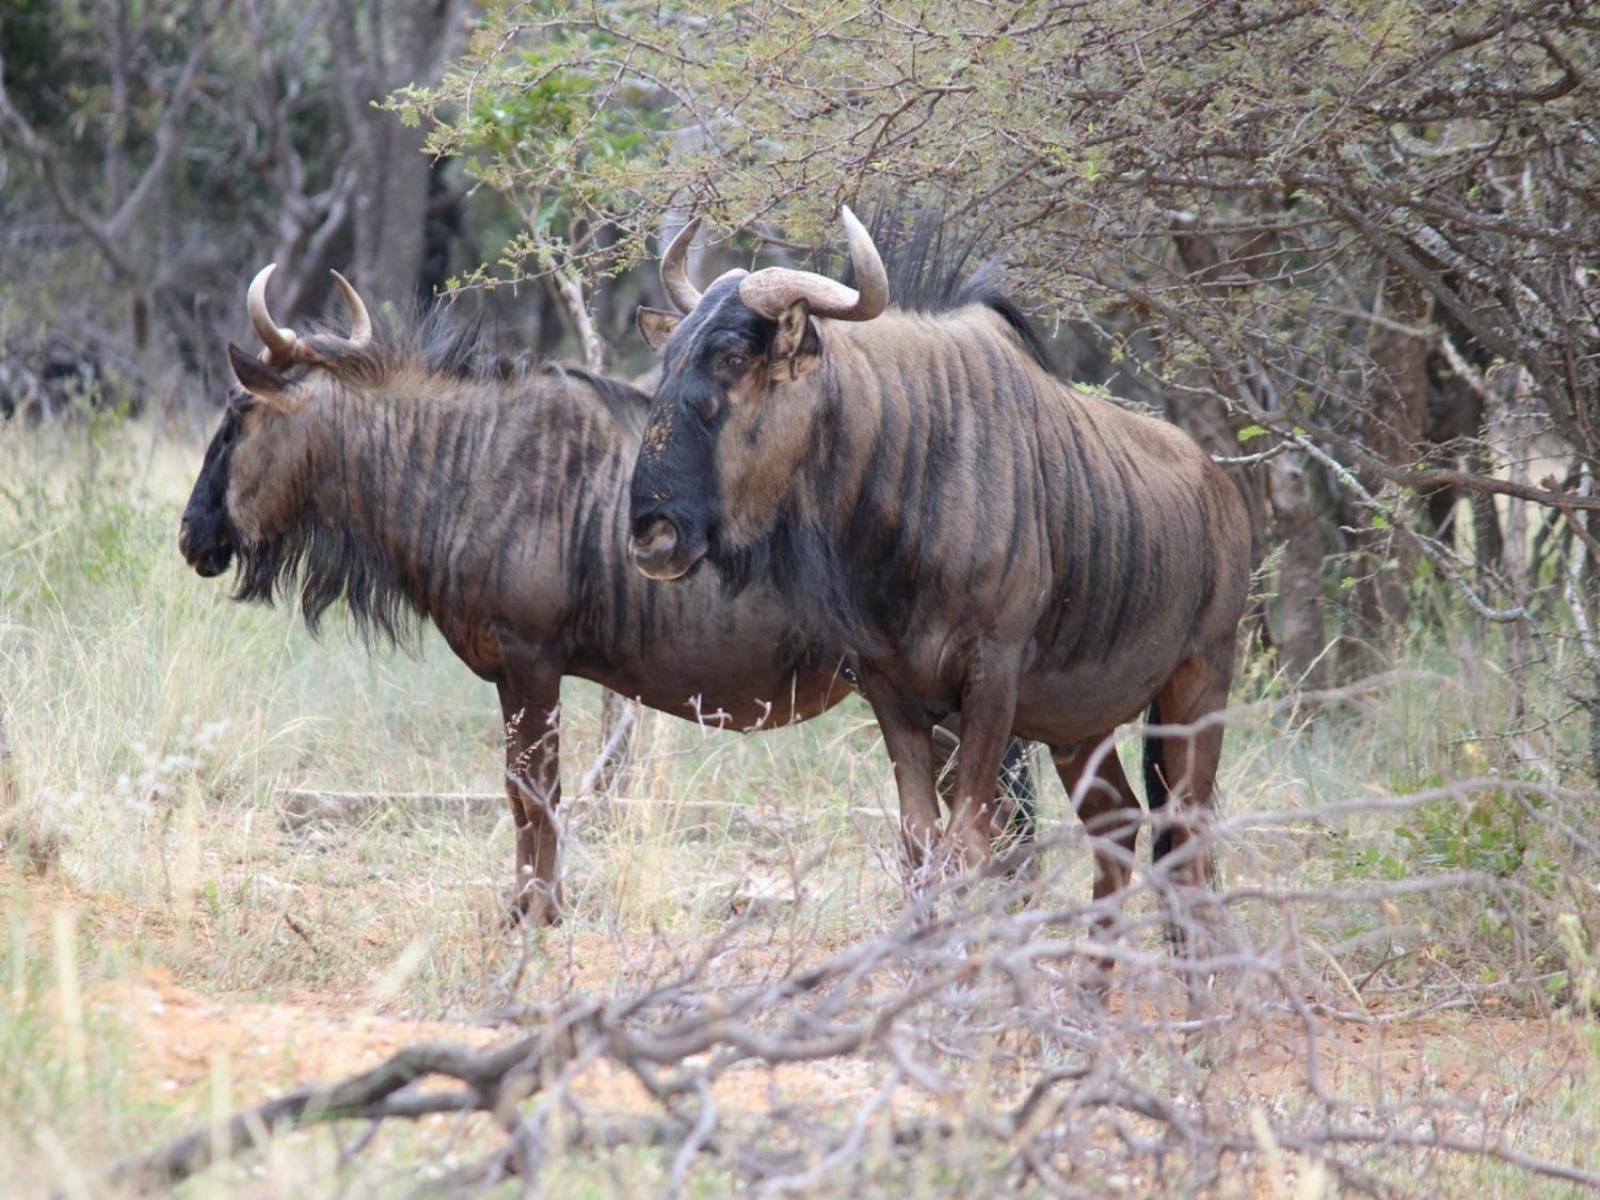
(1014, 792)
(988, 704)
(529, 699)
(910, 745)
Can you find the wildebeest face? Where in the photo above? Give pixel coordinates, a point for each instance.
(249, 489)
(733, 412)
(206, 536)
(728, 429)
(252, 490)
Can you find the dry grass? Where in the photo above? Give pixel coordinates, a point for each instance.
(172, 949)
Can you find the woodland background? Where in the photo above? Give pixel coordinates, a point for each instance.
(1353, 249)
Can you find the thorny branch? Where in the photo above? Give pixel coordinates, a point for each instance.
(113, 234)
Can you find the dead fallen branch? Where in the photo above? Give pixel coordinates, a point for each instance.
(492, 1078)
(301, 807)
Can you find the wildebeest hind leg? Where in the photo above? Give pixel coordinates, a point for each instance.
(1110, 813)
(1186, 768)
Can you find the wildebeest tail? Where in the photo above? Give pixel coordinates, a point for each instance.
(1155, 782)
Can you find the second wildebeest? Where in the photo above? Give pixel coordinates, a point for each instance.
(989, 540)
(411, 476)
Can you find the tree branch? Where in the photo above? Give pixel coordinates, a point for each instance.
(112, 235)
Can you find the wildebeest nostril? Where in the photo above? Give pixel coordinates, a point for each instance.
(654, 537)
(656, 551)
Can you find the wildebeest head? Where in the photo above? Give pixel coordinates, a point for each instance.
(733, 412)
(251, 487)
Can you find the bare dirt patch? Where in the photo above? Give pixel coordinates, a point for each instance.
(188, 1036)
(181, 1035)
(182, 1038)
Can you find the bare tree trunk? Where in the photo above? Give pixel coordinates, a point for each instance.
(405, 41)
(1299, 629)
(117, 135)
(391, 212)
(1508, 433)
(1576, 591)
(570, 289)
(1395, 425)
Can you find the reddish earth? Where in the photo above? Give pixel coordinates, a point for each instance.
(180, 1038)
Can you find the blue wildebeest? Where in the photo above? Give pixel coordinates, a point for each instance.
(988, 540)
(412, 476)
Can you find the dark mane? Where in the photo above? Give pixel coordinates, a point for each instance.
(805, 567)
(931, 270)
(442, 344)
(439, 343)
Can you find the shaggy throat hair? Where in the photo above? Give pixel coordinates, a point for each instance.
(326, 565)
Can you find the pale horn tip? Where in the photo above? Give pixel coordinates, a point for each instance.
(279, 342)
(360, 318)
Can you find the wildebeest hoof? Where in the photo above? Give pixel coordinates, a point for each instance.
(1019, 861)
(532, 912)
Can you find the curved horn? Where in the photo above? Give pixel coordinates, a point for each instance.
(674, 276)
(360, 319)
(279, 342)
(872, 281)
(774, 289)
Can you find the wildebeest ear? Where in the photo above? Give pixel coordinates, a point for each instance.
(798, 341)
(264, 382)
(655, 326)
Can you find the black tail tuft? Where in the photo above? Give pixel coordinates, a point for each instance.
(1155, 782)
